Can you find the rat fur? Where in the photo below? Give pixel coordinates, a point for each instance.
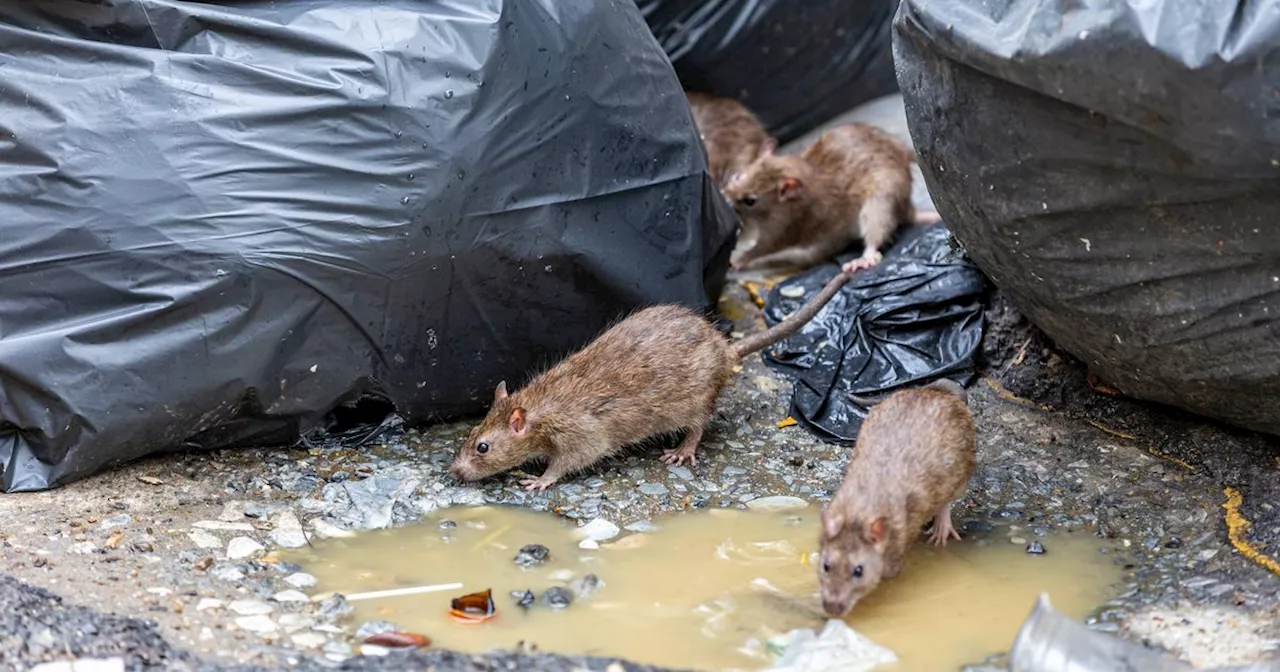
(731, 134)
(657, 372)
(915, 456)
(853, 183)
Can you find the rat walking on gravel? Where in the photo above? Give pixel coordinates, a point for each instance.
(657, 372)
(915, 455)
(853, 183)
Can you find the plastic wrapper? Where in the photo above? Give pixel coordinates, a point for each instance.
(1126, 211)
(795, 64)
(915, 317)
(219, 222)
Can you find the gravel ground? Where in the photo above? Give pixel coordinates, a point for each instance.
(183, 547)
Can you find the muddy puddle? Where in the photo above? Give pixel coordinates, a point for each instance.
(704, 589)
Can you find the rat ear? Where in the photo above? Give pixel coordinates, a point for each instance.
(789, 187)
(500, 392)
(832, 521)
(874, 533)
(768, 147)
(517, 422)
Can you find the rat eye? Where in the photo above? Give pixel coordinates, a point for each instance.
(748, 200)
(857, 572)
(826, 567)
(482, 448)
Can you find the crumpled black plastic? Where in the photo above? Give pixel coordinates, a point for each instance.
(1115, 171)
(912, 319)
(795, 63)
(221, 221)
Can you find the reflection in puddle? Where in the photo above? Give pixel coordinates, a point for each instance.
(704, 590)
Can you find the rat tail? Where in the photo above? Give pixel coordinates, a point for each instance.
(792, 324)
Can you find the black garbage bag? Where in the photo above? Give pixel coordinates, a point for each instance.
(220, 221)
(795, 64)
(1116, 172)
(912, 319)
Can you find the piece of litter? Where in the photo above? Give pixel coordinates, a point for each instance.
(792, 291)
(787, 422)
(838, 648)
(397, 592)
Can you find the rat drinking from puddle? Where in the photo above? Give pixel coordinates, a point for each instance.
(915, 455)
(853, 183)
(657, 372)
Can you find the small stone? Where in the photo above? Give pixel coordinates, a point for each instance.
(598, 529)
(733, 471)
(222, 526)
(300, 580)
(111, 522)
(204, 563)
(204, 539)
(791, 291)
(589, 544)
(262, 625)
(143, 546)
(641, 526)
(777, 503)
(326, 530)
(587, 585)
(446, 525)
(653, 489)
(294, 622)
(243, 547)
(150, 480)
(288, 530)
(334, 608)
(290, 596)
(681, 472)
(371, 628)
(81, 665)
(532, 555)
(523, 598)
(1035, 548)
(1017, 540)
(558, 597)
(82, 548)
(250, 607)
(308, 640)
(231, 574)
(207, 603)
(233, 511)
(373, 650)
(113, 542)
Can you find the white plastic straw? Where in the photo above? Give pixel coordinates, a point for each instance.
(397, 592)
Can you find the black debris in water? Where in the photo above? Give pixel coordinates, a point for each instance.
(587, 585)
(557, 597)
(1035, 548)
(446, 525)
(523, 598)
(532, 555)
(334, 608)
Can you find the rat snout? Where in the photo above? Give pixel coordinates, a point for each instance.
(836, 608)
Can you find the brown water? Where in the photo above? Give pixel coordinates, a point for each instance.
(705, 589)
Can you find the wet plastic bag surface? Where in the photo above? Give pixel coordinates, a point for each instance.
(1116, 172)
(912, 319)
(219, 222)
(796, 64)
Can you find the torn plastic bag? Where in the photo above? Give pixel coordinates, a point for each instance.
(795, 64)
(915, 317)
(1129, 212)
(220, 221)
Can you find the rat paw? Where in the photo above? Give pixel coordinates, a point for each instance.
(861, 263)
(677, 457)
(941, 533)
(536, 484)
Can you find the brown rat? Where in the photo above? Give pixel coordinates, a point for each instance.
(656, 372)
(731, 133)
(853, 183)
(915, 457)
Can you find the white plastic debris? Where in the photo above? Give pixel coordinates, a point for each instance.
(838, 648)
(598, 530)
(82, 665)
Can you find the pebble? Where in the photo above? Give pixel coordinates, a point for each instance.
(447, 525)
(82, 665)
(641, 526)
(733, 471)
(204, 539)
(777, 503)
(228, 574)
(82, 548)
(589, 544)
(558, 597)
(681, 472)
(222, 526)
(587, 585)
(371, 628)
(119, 520)
(1018, 540)
(300, 580)
(288, 530)
(243, 547)
(1035, 548)
(653, 489)
(262, 625)
(250, 607)
(207, 603)
(294, 622)
(532, 555)
(333, 608)
(523, 598)
(308, 640)
(598, 530)
(327, 530)
(290, 596)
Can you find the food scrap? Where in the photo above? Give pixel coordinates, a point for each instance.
(399, 640)
(474, 607)
(787, 422)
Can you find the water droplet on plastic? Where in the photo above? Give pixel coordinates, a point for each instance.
(448, 94)
(399, 133)
(411, 176)
(405, 200)
(462, 174)
(447, 74)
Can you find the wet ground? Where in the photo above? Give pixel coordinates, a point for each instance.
(174, 562)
